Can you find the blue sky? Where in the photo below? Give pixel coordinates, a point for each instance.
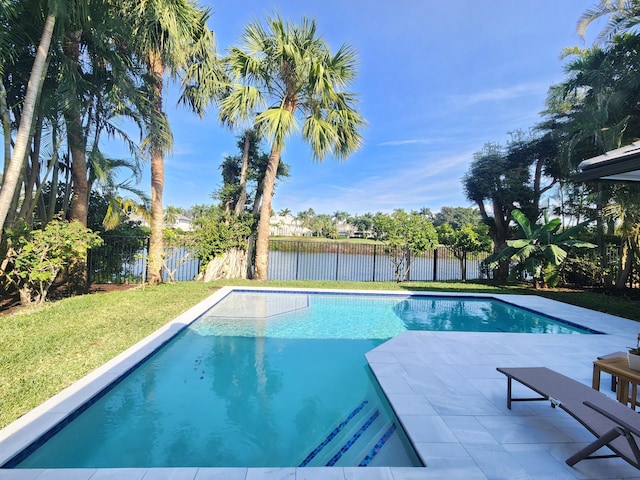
(437, 80)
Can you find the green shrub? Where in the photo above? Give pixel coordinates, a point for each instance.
(35, 258)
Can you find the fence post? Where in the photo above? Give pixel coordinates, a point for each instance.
(464, 266)
(435, 264)
(297, 257)
(408, 264)
(145, 263)
(337, 259)
(374, 262)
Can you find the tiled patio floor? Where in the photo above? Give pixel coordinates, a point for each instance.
(451, 400)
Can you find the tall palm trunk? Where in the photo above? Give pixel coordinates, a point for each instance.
(77, 140)
(156, 68)
(251, 242)
(6, 127)
(78, 274)
(32, 174)
(242, 198)
(10, 181)
(262, 242)
(80, 196)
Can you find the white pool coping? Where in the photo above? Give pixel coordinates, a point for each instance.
(443, 386)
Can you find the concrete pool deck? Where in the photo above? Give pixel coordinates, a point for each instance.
(444, 388)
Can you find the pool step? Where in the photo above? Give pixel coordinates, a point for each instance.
(354, 441)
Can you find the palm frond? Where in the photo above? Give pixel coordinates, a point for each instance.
(277, 124)
(240, 106)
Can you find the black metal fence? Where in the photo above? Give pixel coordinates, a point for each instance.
(124, 260)
(303, 260)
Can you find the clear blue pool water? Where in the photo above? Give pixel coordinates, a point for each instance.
(268, 380)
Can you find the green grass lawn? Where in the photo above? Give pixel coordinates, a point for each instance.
(44, 350)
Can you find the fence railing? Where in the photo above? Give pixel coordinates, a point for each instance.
(303, 260)
(124, 260)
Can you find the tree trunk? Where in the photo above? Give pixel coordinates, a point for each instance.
(53, 194)
(242, 198)
(232, 264)
(32, 175)
(80, 196)
(10, 181)
(6, 127)
(76, 139)
(78, 274)
(625, 264)
(262, 242)
(66, 199)
(157, 181)
(501, 273)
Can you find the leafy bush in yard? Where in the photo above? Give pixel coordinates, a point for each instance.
(35, 258)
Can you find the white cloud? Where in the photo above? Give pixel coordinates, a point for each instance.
(499, 94)
(421, 183)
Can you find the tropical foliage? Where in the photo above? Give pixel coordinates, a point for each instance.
(71, 72)
(61, 95)
(33, 260)
(218, 232)
(595, 109)
(541, 250)
(285, 81)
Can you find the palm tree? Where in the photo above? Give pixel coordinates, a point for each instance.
(34, 86)
(171, 214)
(339, 216)
(285, 74)
(169, 35)
(305, 217)
(624, 16)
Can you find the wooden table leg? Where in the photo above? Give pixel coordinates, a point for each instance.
(595, 381)
(622, 393)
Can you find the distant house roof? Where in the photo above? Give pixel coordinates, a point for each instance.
(620, 165)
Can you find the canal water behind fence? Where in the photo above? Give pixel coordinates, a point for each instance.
(363, 268)
(122, 260)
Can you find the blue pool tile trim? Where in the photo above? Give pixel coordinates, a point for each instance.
(378, 446)
(332, 435)
(345, 448)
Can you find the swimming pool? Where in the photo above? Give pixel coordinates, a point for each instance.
(269, 326)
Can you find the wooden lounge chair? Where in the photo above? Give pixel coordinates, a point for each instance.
(615, 425)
